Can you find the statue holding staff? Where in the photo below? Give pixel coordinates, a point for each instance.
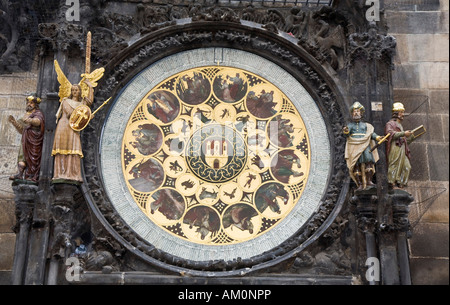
(73, 115)
(359, 156)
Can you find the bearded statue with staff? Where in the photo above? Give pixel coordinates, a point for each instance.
(73, 115)
(360, 150)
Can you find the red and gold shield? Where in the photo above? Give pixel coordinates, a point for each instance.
(80, 118)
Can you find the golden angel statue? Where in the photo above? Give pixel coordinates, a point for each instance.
(73, 115)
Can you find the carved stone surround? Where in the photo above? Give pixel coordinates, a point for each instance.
(172, 40)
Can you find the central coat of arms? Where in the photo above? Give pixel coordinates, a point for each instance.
(216, 153)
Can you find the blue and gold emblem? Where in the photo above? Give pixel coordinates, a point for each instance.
(216, 153)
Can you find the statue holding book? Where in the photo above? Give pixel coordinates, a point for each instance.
(397, 151)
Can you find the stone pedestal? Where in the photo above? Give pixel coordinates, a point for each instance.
(401, 201)
(25, 196)
(366, 218)
(64, 227)
(386, 235)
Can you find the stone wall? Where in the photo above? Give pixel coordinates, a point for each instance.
(13, 90)
(421, 75)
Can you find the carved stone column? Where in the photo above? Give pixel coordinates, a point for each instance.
(366, 219)
(64, 41)
(370, 63)
(401, 201)
(386, 239)
(62, 215)
(25, 196)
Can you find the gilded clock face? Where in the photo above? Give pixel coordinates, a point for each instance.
(208, 161)
(215, 155)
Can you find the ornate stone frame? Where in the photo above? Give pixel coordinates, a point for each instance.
(252, 38)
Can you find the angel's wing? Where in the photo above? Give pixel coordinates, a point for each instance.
(93, 78)
(65, 86)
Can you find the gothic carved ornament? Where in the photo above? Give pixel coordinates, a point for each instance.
(160, 46)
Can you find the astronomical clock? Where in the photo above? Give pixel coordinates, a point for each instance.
(209, 160)
(213, 146)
